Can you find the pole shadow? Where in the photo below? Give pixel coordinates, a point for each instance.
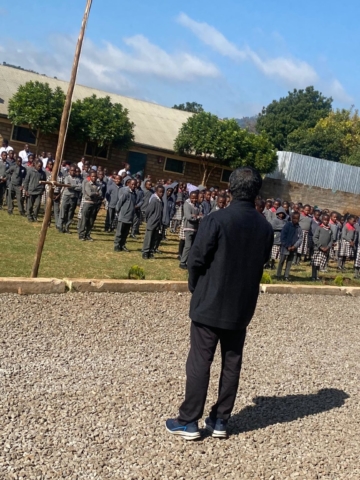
(271, 410)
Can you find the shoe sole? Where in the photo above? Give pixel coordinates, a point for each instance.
(215, 433)
(184, 435)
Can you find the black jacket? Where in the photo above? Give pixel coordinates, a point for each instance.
(226, 264)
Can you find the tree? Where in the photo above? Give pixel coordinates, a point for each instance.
(300, 109)
(335, 137)
(37, 106)
(192, 107)
(101, 123)
(222, 142)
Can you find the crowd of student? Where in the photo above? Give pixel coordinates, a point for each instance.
(301, 232)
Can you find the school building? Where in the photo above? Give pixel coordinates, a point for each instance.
(156, 128)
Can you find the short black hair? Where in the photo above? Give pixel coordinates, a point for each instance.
(159, 187)
(245, 183)
(295, 213)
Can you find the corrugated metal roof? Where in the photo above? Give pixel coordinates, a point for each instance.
(317, 172)
(155, 125)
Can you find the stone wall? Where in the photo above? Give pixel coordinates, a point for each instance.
(342, 202)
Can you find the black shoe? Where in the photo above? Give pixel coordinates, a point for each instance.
(151, 255)
(124, 249)
(30, 219)
(287, 279)
(133, 236)
(82, 239)
(158, 251)
(145, 256)
(10, 213)
(22, 214)
(182, 266)
(88, 238)
(117, 249)
(68, 232)
(35, 219)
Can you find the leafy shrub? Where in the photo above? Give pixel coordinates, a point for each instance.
(339, 281)
(266, 278)
(136, 273)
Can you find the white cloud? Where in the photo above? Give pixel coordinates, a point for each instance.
(337, 91)
(291, 71)
(108, 66)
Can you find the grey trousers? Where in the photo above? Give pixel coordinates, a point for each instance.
(122, 232)
(67, 211)
(289, 260)
(88, 216)
(136, 222)
(33, 205)
(150, 240)
(15, 191)
(56, 207)
(110, 218)
(189, 240)
(2, 192)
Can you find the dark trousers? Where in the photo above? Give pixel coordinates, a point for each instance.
(2, 192)
(151, 237)
(33, 205)
(203, 343)
(67, 211)
(15, 191)
(122, 232)
(56, 207)
(110, 218)
(136, 222)
(88, 216)
(289, 260)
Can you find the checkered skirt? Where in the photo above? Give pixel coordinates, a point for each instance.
(275, 252)
(357, 259)
(319, 259)
(306, 243)
(182, 233)
(178, 212)
(346, 250)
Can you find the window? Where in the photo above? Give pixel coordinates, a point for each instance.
(99, 152)
(225, 176)
(24, 134)
(175, 166)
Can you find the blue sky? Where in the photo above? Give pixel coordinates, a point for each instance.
(231, 56)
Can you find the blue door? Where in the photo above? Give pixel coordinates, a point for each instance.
(137, 162)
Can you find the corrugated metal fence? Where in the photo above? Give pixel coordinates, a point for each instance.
(315, 172)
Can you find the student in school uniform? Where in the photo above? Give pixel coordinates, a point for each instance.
(34, 189)
(205, 206)
(125, 209)
(179, 210)
(191, 224)
(260, 206)
(3, 176)
(357, 249)
(335, 229)
(220, 203)
(112, 195)
(278, 223)
(323, 241)
(69, 200)
(57, 190)
(169, 207)
(17, 174)
(291, 238)
(153, 218)
(347, 243)
(138, 205)
(305, 223)
(93, 196)
(316, 222)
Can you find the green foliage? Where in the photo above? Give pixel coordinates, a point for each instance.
(266, 278)
(225, 142)
(336, 138)
(192, 107)
(35, 104)
(136, 273)
(300, 109)
(339, 281)
(101, 122)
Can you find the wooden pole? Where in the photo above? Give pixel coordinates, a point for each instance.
(61, 141)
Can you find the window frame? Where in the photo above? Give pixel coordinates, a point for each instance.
(222, 174)
(177, 160)
(100, 158)
(22, 141)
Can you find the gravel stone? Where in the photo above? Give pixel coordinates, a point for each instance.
(87, 381)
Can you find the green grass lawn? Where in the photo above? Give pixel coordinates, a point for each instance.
(66, 256)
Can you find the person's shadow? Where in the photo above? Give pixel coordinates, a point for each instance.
(271, 410)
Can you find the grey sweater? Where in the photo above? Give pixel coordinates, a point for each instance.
(190, 213)
(347, 234)
(75, 189)
(3, 170)
(17, 174)
(125, 206)
(93, 192)
(153, 213)
(32, 179)
(323, 237)
(305, 223)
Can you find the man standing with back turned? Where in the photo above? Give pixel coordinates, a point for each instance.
(225, 268)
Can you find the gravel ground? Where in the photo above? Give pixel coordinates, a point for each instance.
(87, 382)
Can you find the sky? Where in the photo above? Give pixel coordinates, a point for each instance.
(231, 56)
